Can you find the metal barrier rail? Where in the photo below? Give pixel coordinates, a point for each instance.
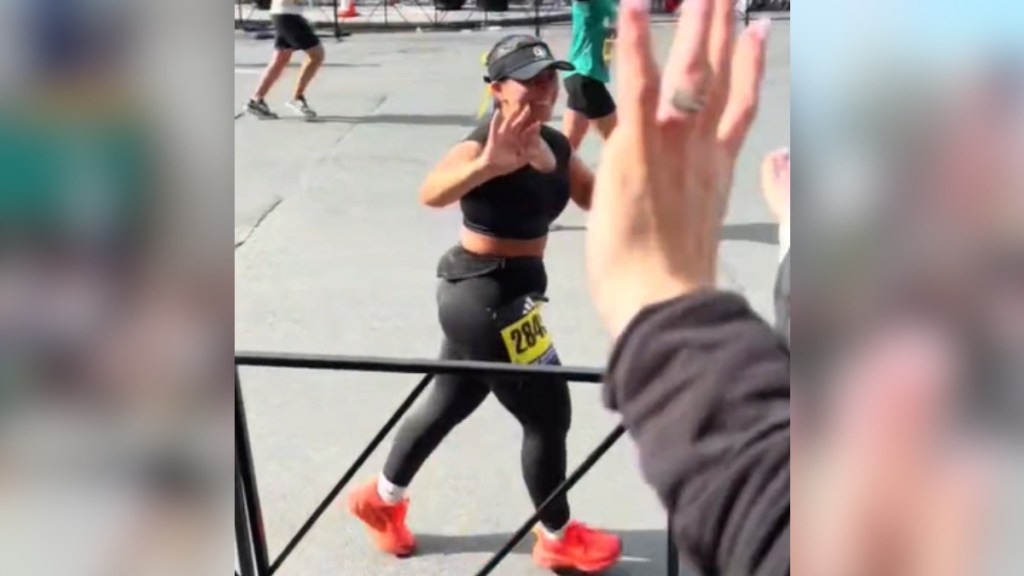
(250, 536)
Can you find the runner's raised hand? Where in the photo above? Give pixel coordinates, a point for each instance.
(505, 151)
(538, 153)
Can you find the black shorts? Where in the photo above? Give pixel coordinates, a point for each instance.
(293, 32)
(589, 97)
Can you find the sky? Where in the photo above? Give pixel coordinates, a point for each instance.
(832, 39)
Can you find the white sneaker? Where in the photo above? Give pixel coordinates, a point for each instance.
(302, 107)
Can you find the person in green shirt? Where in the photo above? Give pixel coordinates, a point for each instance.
(589, 101)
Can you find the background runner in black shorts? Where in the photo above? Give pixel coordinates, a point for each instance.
(590, 104)
(292, 32)
(589, 97)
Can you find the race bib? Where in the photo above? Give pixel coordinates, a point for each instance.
(527, 339)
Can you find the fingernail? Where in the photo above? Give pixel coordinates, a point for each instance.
(762, 27)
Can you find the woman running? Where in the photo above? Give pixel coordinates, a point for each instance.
(513, 176)
(589, 102)
(292, 32)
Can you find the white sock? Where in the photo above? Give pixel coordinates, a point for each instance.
(554, 534)
(388, 491)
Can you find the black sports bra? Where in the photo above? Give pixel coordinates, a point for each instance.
(520, 205)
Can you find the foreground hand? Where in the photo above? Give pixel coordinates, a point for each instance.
(666, 171)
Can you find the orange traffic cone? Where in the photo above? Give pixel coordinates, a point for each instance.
(347, 9)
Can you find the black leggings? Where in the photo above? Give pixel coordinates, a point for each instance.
(472, 287)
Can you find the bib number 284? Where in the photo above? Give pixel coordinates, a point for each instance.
(527, 340)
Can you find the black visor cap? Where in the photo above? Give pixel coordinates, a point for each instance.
(521, 57)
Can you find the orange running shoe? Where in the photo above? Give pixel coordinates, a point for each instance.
(386, 522)
(581, 548)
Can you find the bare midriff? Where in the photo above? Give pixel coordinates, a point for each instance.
(488, 245)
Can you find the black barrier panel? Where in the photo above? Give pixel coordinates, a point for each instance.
(768, 5)
(763, 6)
(410, 15)
(251, 539)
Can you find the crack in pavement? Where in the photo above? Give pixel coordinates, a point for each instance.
(259, 221)
(373, 112)
(329, 150)
(306, 176)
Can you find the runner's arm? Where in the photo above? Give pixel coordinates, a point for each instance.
(702, 384)
(581, 182)
(455, 175)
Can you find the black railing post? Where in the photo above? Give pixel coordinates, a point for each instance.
(337, 23)
(673, 554)
(571, 481)
(247, 476)
(243, 527)
(367, 452)
(536, 18)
